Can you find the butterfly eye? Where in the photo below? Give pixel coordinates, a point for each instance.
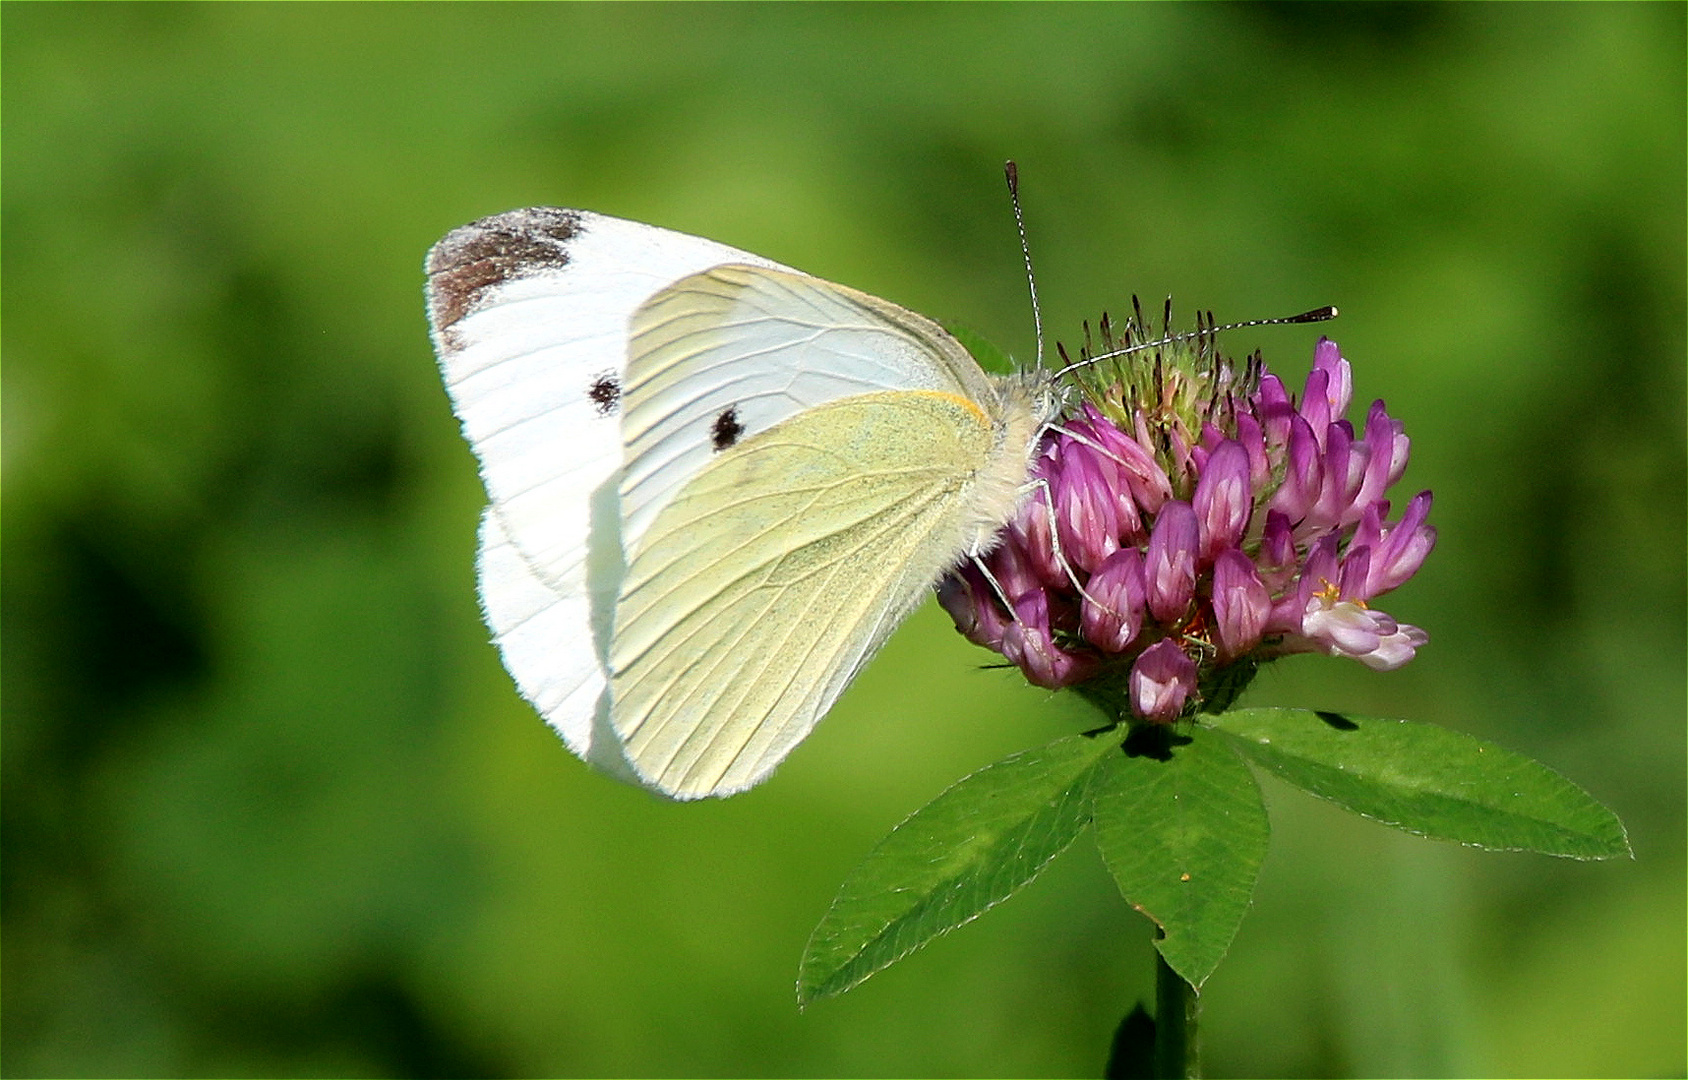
(605, 393)
(727, 428)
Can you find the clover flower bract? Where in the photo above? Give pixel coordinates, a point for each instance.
(1192, 521)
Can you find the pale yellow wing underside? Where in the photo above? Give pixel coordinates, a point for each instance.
(767, 582)
(767, 344)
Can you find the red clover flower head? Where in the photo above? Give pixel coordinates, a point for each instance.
(1191, 520)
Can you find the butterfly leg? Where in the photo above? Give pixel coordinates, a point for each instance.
(1055, 545)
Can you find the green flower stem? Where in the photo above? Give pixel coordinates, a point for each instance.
(1176, 1053)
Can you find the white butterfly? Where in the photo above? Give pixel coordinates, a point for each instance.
(716, 484)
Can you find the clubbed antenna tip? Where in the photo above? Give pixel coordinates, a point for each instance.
(1012, 172)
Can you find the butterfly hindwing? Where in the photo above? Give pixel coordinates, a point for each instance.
(766, 582)
(539, 635)
(870, 453)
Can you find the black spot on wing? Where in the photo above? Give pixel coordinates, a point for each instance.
(485, 253)
(605, 393)
(727, 429)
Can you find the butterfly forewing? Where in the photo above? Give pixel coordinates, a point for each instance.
(758, 346)
(529, 312)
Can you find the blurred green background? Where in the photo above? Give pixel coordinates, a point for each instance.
(271, 805)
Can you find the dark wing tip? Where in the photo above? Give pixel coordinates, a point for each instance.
(475, 257)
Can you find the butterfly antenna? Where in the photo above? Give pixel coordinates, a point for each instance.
(1203, 330)
(1012, 171)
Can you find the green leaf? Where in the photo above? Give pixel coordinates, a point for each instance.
(1427, 780)
(965, 851)
(983, 350)
(1184, 835)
